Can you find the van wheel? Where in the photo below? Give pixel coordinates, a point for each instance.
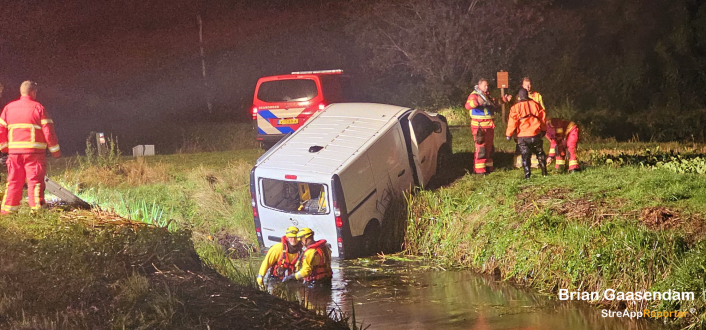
(371, 238)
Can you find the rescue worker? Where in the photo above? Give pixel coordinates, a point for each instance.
(528, 118)
(282, 257)
(26, 131)
(527, 84)
(315, 264)
(481, 107)
(563, 135)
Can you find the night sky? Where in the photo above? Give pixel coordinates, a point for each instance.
(126, 66)
(131, 68)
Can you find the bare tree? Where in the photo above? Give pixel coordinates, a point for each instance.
(447, 43)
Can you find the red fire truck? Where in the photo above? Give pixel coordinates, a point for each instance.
(284, 103)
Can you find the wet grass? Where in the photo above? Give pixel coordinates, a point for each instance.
(588, 231)
(95, 270)
(626, 228)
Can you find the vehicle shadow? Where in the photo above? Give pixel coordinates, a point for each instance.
(461, 164)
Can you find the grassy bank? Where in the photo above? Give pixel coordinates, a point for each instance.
(618, 224)
(629, 228)
(173, 268)
(95, 270)
(204, 192)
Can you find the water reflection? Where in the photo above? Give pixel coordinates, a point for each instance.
(404, 295)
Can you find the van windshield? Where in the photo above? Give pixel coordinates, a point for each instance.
(289, 90)
(295, 197)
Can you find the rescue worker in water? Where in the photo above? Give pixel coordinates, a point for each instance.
(315, 264)
(282, 257)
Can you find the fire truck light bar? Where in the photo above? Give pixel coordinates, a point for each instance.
(320, 71)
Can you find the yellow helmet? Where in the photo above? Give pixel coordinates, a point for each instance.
(305, 232)
(291, 232)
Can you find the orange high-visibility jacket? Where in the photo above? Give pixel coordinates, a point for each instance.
(25, 128)
(528, 118)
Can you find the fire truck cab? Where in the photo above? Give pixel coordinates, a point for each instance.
(282, 104)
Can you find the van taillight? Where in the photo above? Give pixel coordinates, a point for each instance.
(290, 177)
(340, 243)
(254, 113)
(253, 204)
(322, 106)
(337, 214)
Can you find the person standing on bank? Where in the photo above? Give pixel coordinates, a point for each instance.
(26, 132)
(529, 119)
(534, 95)
(481, 107)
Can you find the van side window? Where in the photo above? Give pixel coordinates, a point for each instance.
(422, 127)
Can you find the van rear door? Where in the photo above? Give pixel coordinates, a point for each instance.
(285, 104)
(286, 200)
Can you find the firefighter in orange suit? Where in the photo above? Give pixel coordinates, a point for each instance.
(528, 119)
(282, 258)
(315, 264)
(563, 135)
(26, 131)
(481, 107)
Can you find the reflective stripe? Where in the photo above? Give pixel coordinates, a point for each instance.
(552, 150)
(481, 117)
(4, 197)
(11, 126)
(30, 145)
(37, 203)
(47, 121)
(2, 122)
(3, 145)
(8, 208)
(481, 123)
(481, 165)
(573, 162)
(570, 126)
(54, 148)
(559, 130)
(560, 162)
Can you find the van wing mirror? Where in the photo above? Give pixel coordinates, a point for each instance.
(437, 127)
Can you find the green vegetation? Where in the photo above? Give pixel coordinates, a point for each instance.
(93, 270)
(633, 224)
(630, 228)
(97, 270)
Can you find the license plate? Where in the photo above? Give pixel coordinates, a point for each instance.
(288, 121)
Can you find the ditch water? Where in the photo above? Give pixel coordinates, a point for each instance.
(394, 294)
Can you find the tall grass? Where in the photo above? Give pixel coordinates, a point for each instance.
(579, 232)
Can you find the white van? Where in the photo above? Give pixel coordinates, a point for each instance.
(338, 173)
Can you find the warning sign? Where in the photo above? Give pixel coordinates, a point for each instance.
(503, 80)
